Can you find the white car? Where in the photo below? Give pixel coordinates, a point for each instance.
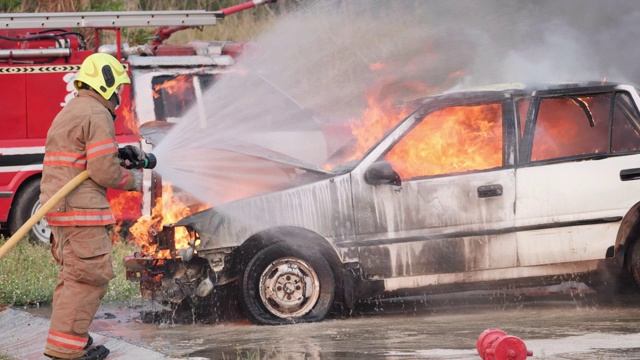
(512, 185)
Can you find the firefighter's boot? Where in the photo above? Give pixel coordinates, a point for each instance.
(97, 353)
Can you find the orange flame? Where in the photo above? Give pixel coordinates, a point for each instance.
(383, 112)
(433, 147)
(421, 153)
(127, 202)
(124, 206)
(377, 119)
(129, 117)
(167, 210)
(176, 86)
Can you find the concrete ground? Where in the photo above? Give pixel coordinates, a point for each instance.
(569, 322)
(24, 336)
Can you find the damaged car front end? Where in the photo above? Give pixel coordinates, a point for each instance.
(167, 273)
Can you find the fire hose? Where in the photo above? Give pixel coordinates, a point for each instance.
(24, 229)
(129, 161)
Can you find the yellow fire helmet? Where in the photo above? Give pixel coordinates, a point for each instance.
(103, 73)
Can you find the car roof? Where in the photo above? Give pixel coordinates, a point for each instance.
(498, 91)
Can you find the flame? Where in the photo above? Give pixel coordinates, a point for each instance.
(122, 206)
(176, 86)
(433, 147)
(167, 210)
(430, 148)
(377, 119)
(127, 202)
(387, 103)
(130, 121)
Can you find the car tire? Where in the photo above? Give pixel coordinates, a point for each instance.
(283, 284)
(634, 262)
(25, 204)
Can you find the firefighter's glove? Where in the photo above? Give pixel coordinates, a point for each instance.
(137, 176)
(131, 157)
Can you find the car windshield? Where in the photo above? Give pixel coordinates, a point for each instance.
(366, 136)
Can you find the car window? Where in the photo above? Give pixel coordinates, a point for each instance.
(624, 132)
(452, 140)
(173, 95)
(571, 126)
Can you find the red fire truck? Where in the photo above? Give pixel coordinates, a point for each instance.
(40, 55)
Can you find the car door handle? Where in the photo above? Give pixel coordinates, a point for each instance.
(630, 174)
(485, 191)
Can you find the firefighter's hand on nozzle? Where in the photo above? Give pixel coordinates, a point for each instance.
(132, 157)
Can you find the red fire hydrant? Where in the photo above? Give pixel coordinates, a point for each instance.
(495, 344)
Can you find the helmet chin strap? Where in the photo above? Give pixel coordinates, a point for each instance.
(115, 100)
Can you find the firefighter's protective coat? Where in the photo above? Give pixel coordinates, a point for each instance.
(81, 137)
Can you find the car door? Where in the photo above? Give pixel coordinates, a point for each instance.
(452, 209)
(570, 195)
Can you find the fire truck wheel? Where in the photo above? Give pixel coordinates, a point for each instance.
(283, 284)
(25, 204)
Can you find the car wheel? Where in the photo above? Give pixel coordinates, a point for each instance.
(634, 262)
(283, 285)
(26, 204)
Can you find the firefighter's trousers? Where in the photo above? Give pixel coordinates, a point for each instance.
(84, 254)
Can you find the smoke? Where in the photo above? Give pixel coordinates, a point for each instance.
(319, 64)
(554, 41)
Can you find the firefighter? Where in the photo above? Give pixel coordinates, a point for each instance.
(82, 137)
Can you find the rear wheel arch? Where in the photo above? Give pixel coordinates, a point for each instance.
(628, 233)
(630, 219)
(627, 248)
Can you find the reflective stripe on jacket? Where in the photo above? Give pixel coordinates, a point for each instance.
(82, 137)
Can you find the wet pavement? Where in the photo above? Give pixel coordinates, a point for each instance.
(571, 322)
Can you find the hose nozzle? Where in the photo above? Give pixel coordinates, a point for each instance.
(150, 161)
(130, 158)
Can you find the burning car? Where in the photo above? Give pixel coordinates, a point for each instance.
(511, 184)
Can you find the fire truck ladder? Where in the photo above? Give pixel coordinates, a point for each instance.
(113, 19)
(117, 19)
(166, 23)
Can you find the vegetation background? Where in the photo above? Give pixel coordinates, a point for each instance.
(28, 275)
(242, 26)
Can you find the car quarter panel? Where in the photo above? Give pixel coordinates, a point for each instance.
(573, 209)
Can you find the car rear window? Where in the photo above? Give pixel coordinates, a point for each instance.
(571, 126)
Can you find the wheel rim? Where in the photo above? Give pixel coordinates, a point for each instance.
(289, 287)
(41, 228)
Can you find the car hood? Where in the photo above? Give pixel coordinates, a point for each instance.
(317, 205)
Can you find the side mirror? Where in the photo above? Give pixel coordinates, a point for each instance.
(381, 173)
